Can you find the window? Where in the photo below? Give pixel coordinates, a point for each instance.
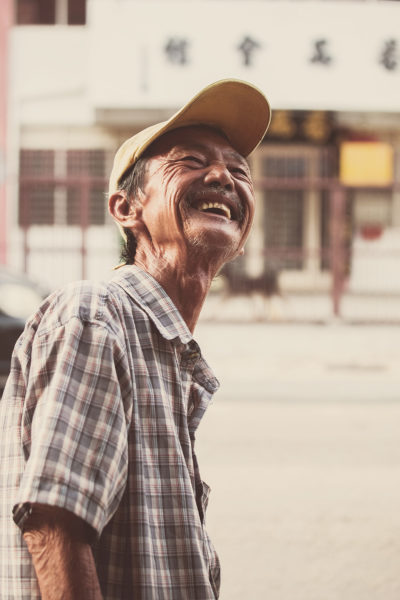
(62, 187)
(36, 192)
(294, 181)
(88, 164)
(50, 12)
(284, 211)
(283, 227)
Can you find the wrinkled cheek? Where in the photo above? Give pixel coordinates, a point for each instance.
(247, 229)
(175, 217)
(171, 222)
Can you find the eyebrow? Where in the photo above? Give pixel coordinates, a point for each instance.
(235, 155)
(232, 154)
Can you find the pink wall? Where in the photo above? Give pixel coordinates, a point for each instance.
(6, 8)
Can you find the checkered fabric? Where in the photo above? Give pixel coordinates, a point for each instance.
(99, 415)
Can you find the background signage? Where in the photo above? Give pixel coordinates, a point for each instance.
(305, 55)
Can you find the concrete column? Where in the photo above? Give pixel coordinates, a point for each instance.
(312, 206)
(255, 244)
(60, 192)
(61, 16)
(312, 232)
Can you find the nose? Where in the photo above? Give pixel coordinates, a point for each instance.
(218, 174)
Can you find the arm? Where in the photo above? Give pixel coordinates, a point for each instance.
(75, 438)
(59, 543)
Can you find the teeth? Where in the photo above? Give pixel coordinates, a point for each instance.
(223, 207)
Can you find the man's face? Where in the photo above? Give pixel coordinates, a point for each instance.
(198, 193)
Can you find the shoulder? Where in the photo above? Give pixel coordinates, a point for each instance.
(86, 301)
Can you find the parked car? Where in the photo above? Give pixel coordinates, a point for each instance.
(19, 297)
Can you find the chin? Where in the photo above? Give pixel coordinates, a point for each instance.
(214, 244)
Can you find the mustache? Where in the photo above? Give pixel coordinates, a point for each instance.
(215, 193)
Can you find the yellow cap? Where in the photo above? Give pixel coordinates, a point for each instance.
(237, 108)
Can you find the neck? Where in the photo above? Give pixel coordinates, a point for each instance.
(186, 282)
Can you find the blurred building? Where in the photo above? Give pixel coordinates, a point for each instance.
(83, 77)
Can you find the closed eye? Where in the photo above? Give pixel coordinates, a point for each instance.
(239, 171)
(194, 159)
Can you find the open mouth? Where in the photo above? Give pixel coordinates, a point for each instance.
(216, 208)
(217, 203)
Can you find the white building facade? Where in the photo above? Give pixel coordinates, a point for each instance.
(330, 69)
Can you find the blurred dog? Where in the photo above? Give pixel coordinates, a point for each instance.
(263, 292)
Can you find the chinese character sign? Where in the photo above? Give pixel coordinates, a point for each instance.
(344, 56)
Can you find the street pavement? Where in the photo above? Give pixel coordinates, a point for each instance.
(301, 449)
(303, 308)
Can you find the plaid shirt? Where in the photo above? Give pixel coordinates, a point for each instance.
(106, 390)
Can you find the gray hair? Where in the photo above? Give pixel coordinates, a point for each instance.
(131, 182)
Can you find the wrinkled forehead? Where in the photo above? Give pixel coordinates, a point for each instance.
(194, 137)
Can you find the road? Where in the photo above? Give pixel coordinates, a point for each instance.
(301, 449)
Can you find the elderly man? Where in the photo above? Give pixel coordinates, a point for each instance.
(101, 494)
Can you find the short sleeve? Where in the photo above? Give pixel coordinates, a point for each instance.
(75, 426)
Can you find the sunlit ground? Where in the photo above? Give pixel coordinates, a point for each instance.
(301, 449)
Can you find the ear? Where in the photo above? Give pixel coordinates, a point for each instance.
(127, 214)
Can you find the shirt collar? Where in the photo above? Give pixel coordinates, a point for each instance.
(152, 298)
